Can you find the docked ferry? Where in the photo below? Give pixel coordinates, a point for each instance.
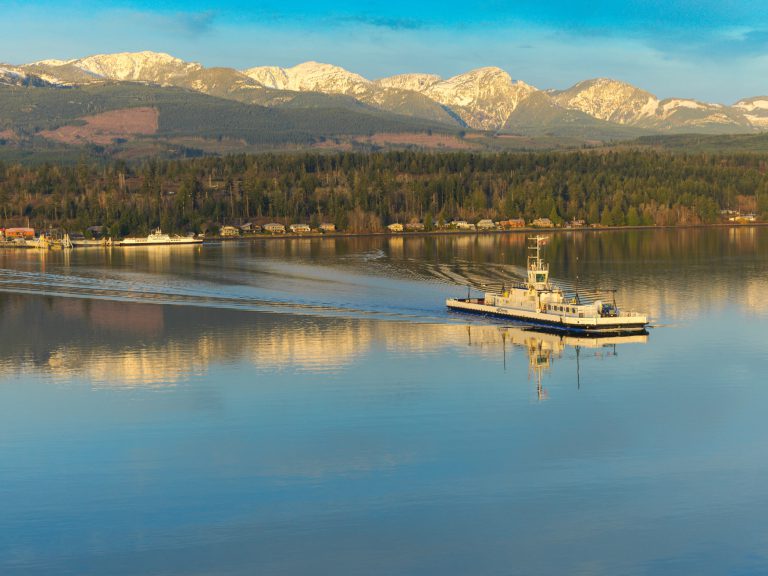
(158, 237)
(541, 304)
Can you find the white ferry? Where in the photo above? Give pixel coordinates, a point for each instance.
(540, 304)
(157, 237)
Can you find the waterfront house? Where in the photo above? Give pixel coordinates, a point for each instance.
(463, 225)
(250, 228)
(743, 218)
(26, 233)
(229, 231)
(326, 227)
(486, 224)
(299, 228)
(414, 227)
(512, 223)
(274, 228)
(396, 227)
(542, 223)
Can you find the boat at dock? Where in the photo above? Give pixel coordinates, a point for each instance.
(91, 242)
(157, 237)
(541, 304)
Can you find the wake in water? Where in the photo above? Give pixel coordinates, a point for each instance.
(148, 289)
(365, 284)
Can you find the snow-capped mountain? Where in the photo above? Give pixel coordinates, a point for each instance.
(310, 77)
(628, 105)
(153, 67)
(14, 76)
(137, 66)
(414, 82)
(609, 100)
(330, 79)
(484, 99)
(755, 110)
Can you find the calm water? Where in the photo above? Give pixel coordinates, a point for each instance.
(309, 407)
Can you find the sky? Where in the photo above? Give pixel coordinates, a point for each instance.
(710, 50)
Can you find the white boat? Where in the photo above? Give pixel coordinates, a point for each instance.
(540, 304)
(91, 243)
(158, 237)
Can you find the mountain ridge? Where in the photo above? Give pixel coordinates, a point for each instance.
(483, 99)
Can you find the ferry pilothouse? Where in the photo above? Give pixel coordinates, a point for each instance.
(543, 305)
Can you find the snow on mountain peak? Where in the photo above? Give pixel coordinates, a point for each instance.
(310, 77)
(412, 82)
(752, 104)
(138, 66)
(755, 110)
(608, 99)
(268, 76)
(484, 97)
(50, 62)
(14, 76)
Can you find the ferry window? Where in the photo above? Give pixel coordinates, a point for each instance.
(581, 315)
(539, 277)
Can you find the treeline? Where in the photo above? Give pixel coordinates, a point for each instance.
(365, 192)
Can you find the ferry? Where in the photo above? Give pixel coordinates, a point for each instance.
(158, 237)
(543, 305)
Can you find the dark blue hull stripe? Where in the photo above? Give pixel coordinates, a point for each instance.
(556, 326)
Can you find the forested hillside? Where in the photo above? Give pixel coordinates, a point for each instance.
(364, 192)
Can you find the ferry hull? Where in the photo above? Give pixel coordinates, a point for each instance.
(598, 325)
(142, 242)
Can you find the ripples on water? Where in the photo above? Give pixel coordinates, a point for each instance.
(670, 274)
(309, 406)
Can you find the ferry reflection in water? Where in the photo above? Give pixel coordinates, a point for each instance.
(543, 347)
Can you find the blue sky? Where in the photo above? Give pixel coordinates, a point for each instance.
(711, 50)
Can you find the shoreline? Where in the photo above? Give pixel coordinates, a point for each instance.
(527, 230)
(419, 234)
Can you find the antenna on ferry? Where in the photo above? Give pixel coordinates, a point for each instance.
(504, 348)
(578, 368)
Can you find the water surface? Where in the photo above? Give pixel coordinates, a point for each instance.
(309, 406)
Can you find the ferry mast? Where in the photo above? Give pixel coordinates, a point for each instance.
(538, 271)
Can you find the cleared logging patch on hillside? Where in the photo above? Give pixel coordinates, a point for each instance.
(104, 128)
